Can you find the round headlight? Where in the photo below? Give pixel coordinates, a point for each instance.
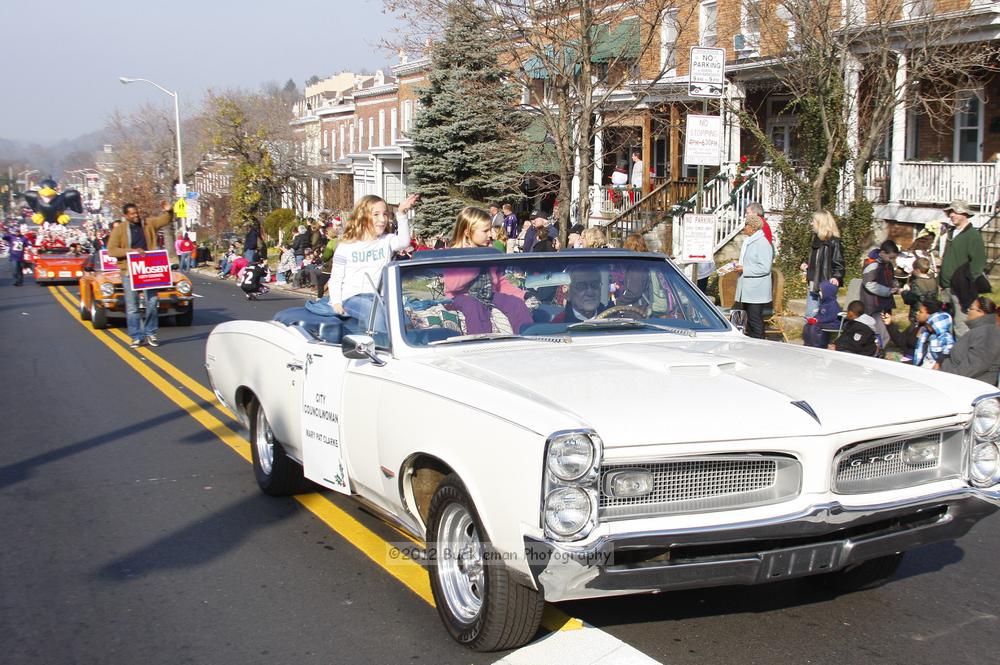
(184, 288)
(984, 467)
(986, 418)
(571, 456)
(567, 510)
(107, 290)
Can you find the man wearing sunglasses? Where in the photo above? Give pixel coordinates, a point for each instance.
(584, 298)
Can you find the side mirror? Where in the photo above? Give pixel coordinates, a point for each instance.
(360, 347)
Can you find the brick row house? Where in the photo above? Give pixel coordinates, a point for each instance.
(353, 139)
(921, 167)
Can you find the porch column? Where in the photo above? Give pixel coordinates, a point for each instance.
(735, 94)
(852, 77)
(647, 150)
(898, 132)
(675, 143)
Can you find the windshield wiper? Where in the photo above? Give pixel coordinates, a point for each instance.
(485, 337)
(611, 324)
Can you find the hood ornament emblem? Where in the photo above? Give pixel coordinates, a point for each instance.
(804, 405)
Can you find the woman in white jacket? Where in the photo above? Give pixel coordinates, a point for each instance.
(364, 250)
(754, 287)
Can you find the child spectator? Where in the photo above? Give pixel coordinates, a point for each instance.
(827, 316)
(905, 341)
(286, 264)
(858, 335)
(254, 276)
(937, 335)
(921, 287)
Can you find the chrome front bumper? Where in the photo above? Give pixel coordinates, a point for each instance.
(822, 539)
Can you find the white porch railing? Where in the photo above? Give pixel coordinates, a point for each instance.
(938, 183)
(720, 198)
(609, 202)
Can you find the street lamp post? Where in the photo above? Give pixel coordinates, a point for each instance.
(177, 131)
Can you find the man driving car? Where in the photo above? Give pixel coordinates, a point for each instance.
(583, 299)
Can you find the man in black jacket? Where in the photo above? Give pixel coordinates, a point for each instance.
(300, 243)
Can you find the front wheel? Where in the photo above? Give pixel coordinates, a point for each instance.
(277, 474)
(98, 317)
(865, 575)
(84, 310)
(184, 318)
(480, 604)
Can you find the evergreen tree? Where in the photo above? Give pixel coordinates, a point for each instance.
(467, 137)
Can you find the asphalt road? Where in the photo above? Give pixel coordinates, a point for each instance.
(133, 534)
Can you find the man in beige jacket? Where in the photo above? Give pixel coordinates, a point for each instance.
(139, 236)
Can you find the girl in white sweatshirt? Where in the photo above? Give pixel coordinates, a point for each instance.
(364, 250)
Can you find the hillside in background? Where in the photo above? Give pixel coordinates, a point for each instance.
(54, 158)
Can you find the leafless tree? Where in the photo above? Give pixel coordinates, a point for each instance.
(858, 64)
(578, 60)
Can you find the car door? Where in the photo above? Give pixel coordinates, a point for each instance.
(323, 417)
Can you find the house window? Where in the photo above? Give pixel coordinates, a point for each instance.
(749, 27)
(352, 137)
(969, 127)
(371, 131)
(912, 151)
(782, 127)
(407, 115)
(918, 8)
(361, 135)
(393, 189)
(381, 127)
(341, 140)
(669, 30)
(708, 22)
(333, 145)
(855, 11)
(393, 122)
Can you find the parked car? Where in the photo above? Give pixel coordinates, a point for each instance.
(609, 432)
(103, 299)
(55, 265)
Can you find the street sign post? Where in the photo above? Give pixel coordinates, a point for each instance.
(707, 72)
(706, 79)
(703, 140)
(698, 242)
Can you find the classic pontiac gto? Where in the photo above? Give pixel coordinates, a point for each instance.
(586, 424)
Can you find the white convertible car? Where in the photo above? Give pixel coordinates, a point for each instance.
(585, 424)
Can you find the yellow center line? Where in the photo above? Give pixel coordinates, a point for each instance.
(185, 380)
(410, 573)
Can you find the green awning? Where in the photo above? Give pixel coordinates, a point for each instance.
(540, 153)
(620, 43)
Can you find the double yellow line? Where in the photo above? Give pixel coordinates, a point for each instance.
(383, 554)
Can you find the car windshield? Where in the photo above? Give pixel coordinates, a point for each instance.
(568, 294)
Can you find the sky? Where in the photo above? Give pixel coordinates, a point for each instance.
(69, 55)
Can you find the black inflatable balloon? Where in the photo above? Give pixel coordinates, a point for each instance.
(50, 205)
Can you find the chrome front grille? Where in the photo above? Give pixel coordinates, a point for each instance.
(699, 484)
(880, 465)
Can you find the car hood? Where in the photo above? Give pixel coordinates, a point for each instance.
(728, 388)
(60, 260)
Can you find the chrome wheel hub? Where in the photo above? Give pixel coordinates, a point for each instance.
(264, 440)
(460, 563)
